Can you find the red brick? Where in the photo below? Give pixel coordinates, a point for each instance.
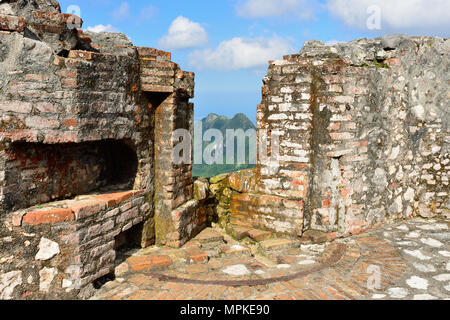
(48, 16)
(69, 83)
(27, 294)
(286, 260)
(44, 28)
(346, 192)
(79, 54)
(60, 137)
(21, 135)
(296, 183)
(84, 37)
(196, 255)
(144, 51)
(156, 88)
(37, 122)
(12, 23)
(114, 199)
(59, 61)
(69, 122)
(141, 263)
(299, 165)
(334, 126)
(49, 216)
(87, 208)
(393, 62)
(209, 235)
(258, 235)
(17, 219)
(364, 143)
(326, 203)
(45, 107)
(342, 135)
(15, 106)
(160, 261)
(138, 192)
(67, 73)
(36, 77)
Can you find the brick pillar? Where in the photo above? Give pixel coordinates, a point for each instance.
(168, 89)
(283, 179)
(173, 183)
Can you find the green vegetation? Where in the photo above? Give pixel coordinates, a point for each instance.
(222, 123)
(379, 64)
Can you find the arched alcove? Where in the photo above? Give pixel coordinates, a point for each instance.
(40, 173)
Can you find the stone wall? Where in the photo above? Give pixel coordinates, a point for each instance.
(86, 143)
(364, 137)
(212, 198)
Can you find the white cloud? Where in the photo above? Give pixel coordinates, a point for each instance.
(396, 15)
(241, 53)
(184, 34)
(102, 28)
(122, 12)
(303, 9)
(147, 13)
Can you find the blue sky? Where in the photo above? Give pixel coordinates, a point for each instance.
(227, 43)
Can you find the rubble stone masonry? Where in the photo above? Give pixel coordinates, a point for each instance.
(364, 137)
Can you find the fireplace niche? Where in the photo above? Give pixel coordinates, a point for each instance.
(40, 173)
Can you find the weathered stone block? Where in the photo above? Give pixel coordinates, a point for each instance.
(201, 188)
(47, 249)
(12, 23)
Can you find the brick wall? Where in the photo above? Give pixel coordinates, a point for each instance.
(39, 173)
(59, 249)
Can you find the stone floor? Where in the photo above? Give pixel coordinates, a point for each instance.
(405, 260)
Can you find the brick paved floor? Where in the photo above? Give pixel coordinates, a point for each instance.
(406, 260)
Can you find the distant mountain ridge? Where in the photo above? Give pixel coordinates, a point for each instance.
(222, 123)
(239, 121)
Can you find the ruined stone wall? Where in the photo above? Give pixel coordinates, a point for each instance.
(364, 137)
(86, 124)
(212, 198)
